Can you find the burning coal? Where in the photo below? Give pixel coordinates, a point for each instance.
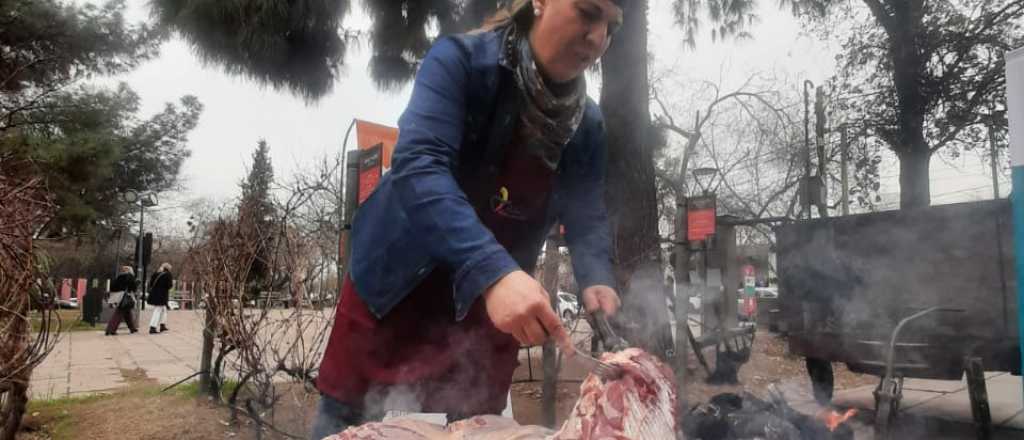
(833, 419)
(731, 416)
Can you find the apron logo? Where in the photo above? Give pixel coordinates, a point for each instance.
(501, 204)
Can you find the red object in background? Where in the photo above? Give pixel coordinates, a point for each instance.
(370, 171)
(376, 143)
(748, 270)
(750, 306)
(700, 218)
(370, 135)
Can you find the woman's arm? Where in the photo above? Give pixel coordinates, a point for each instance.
(426, 155)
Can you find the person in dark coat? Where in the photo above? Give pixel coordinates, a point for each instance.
(159, 290)
(124, 286)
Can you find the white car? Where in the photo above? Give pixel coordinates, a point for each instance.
(568, 306)
(173, 305)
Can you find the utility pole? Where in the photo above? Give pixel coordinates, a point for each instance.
(844, 155)
(683, 284)
(550, 280)
(806, 187)
(994, 161)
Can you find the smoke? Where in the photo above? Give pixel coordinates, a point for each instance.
(380, 400)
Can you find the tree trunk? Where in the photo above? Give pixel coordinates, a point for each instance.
(631, 192)
(903, 22)
(914, 187)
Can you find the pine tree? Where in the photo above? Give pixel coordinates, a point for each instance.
(256, 214)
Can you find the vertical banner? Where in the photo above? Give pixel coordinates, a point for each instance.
(376, 144)
(1015, 115)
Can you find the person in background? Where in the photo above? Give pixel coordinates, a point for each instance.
(499, 144)
(159, 290)
(123, 288)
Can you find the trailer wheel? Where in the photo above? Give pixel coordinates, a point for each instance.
(822, 380)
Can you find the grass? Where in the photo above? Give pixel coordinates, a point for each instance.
(70, 321)
(56, 413)
(191, 389)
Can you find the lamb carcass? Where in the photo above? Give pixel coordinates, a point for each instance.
(639, 405)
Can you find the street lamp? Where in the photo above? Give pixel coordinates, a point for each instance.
(704, 176)
(146, 199)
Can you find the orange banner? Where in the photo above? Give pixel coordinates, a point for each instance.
(376, 143)
(369, 135)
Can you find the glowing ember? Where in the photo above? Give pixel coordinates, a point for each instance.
(832, 419)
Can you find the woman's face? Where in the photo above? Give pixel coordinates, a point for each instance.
(570, 35)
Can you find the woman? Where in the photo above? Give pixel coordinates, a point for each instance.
(122, 291)
(159, 289)
(498, 144)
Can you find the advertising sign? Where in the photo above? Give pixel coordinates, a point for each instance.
(376, 144)
(700, 218)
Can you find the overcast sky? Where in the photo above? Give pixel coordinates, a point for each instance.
(238, 112)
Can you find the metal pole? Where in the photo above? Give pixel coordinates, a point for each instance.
(552, 261)
(682, 301)
(844, 156)
(139, 269)
(806, 188)
(342, 223)
(1015, 117)
(994, 162)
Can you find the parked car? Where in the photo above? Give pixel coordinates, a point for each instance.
(173, 305)
(71, 303)
(568, 306)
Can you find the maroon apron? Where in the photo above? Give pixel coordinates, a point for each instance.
(418, 350)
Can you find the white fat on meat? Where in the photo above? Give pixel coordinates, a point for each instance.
(639, 405)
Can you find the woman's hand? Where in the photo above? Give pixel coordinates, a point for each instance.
(601, 297)
(518, 305)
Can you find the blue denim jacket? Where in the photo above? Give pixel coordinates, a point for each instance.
(419, 218)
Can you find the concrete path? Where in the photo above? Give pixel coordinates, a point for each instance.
(949, 401)
(87, 362)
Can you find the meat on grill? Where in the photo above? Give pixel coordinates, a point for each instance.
(639, 405)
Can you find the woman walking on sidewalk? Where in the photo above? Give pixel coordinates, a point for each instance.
(122, 299)
(159, 289)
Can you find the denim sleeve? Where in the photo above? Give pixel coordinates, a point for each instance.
(423, 167)
(585, 217)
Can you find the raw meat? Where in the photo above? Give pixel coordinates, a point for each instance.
(640, 405)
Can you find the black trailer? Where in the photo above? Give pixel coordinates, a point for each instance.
(914, 293)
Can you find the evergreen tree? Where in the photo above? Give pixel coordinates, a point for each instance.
(256, 216)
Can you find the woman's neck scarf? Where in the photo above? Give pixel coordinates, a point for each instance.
(548, 119)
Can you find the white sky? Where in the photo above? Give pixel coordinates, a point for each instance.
(238, 112)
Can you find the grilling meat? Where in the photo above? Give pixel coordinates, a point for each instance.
(639, 405)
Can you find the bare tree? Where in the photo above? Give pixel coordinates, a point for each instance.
(24, 208)
(750, 135)
(279, 335)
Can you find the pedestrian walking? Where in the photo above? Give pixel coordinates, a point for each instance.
(159, 290)
(122, 299)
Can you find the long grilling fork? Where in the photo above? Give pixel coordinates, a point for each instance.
(611, 341)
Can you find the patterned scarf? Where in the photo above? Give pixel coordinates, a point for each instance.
(547, 120)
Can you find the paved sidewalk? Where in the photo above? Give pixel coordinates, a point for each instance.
(87, 362)
(949, 401)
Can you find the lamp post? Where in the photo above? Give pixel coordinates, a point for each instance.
(143, 200)
(704, 176)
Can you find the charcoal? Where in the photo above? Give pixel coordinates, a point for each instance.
(761, 425)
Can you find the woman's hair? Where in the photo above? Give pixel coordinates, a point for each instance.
(165, 266)
(127, 269)
(518, 11)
